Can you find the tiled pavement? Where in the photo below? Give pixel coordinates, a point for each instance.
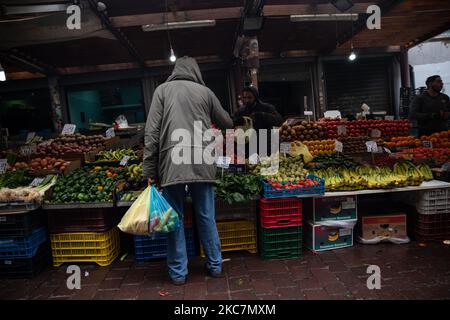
(408, 272)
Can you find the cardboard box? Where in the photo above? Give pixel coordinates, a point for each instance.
(385, 225)
(321, 238)
(332, 208)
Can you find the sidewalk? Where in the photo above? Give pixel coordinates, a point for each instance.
(407, 272)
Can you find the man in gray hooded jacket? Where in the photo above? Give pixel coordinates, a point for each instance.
(176, 105)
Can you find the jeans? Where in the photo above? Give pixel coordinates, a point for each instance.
(203, 202)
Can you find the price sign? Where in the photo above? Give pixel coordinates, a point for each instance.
(389, 118)
(341, 130)
(110, 133)
(333, 114)
(30, 136)
(387, 150)
(223, 162)
(253, 159)
(308, 113)
(124, 160)
(46, 143)
(36, 182)
(372, 146)
(427, 144)
(3, 165)
(68, 129)
(375, 133)
(28, 150)
(285, 147)
(338, 146)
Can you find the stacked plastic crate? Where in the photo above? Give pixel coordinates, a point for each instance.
(147, 248)
(280, 231)
(236, 225)
(433, 218)
(24, 246)
(82, 234)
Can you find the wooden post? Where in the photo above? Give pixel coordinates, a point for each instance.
(404, 68)
(55, 99)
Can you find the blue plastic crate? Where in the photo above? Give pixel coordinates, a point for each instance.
(151, 248)
(23, 247)
(272, 193)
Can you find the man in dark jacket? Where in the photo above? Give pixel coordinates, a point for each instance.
(432, 108)
(178, 106)
(264, 115)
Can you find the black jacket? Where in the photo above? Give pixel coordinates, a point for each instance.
(266, 115)
(426, 110)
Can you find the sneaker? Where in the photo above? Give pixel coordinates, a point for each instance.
(178, 282)
(214, 274)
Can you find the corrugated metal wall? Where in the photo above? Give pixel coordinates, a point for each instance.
(366, 80)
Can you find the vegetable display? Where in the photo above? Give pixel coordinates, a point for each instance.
(15, 179)
(47, 163)
(28, 194)
(116, 155)
(237, 188)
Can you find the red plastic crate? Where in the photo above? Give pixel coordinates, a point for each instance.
(277, 208)
(281, 222)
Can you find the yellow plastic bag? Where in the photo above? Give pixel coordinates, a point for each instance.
(298, 148)
(136, 219)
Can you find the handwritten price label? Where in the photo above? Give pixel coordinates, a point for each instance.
(223, 162)
(36, 182)
(338, 146)
(28, 150)
(375, 133)
(110, 133)
(427, 144)
(285, 147)
(308, 113)
(124, 161)
(3, 164)
(372, 146)
(341, 130)
(30, 136)
(68, 129)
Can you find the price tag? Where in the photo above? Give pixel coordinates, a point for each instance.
(308, 113)
(36, 182)
(253, 159)
(285, 147)
(68, 129)
(223, 162)
(46, 143)
(389, 118)
(341, 130)
(28, 150)
(30, 136)
(427, 144)
(110, 133)
(333, 114)
(375, 133)
(124, 160)
(3, 165)
(372, 146)
(387, 150)
(338, 146)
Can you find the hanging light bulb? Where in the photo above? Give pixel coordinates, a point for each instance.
(172, 57)
(2, 74)
(352, 56)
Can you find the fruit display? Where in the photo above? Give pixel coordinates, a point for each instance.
(135, 170)
(304, 131)
(28, 194)
(398, 142)
(47, 163)
(76, 143)
(388, 128)
(87, 185)
(294, 184)
(438, 139)
(321, 147)
(368, 177)
(438, 155)
(15, 179)
(289, 169)
(353, 145)
(130, 196)
(116, 155)
(332, 161)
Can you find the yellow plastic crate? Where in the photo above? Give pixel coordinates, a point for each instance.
(101, 248)
(237, 235)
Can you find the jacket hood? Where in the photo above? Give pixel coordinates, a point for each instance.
(254, 91)
(186, 68)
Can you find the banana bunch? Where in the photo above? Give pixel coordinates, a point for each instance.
(35, 139)
(367, 177)
(117, 155)
(135, 170)
(130, 196)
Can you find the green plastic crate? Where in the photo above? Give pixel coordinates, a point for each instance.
(282, 254)
(280, 238)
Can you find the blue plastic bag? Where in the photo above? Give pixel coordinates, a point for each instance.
(162, 217)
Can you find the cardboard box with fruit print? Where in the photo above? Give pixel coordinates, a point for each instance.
(321, 238)
(331, 209)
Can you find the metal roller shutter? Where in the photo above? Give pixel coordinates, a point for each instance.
(367, 80)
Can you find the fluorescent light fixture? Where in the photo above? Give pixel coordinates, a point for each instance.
(342, 5)
(172, 57)
(2, 74)
(325, 17)
(179, 25)
(30, 9)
